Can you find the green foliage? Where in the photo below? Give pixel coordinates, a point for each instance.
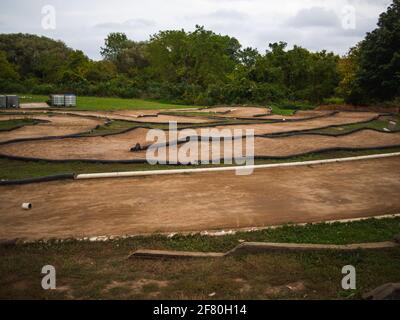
(378, 74)
(201, 67)
(8, 71)
(114, 44)
(35, 56)
(194, 58)
(9, 77)
(305, 75)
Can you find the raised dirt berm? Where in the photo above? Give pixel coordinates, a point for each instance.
(341, 118)
(118, 147)
(237, 111)
(204, 201)
(299, 115)
(379, 109)
(35, 105)
(141, 116)
(52, 126)
(286, 147)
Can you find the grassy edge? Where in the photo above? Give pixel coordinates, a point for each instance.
(23, 169)
(366, 230)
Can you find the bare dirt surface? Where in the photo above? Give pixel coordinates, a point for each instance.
(144, 116)
(110, 147)
(149, 116)
(298, 115)
(201, 201)
(240, 112)
(54, 126)
(340, 118)
(281, 147)
(359, 108)
(167, 118)
(117, 147)
(36, 105)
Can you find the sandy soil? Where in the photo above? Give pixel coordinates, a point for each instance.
(281, 147)
(118, 147)
(242, 112)
(144, 116)
(298, 115)
(166, 119)
(55, 126)
(79, 148)
(340, 118)
(360, 108)
(36, 105)
(201, 201)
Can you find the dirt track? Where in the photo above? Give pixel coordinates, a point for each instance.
(298, 115)
(341, 118)
(150, 116)
(54, 126)
(238, 112)
(117, 147)
(286, 146)
(201, 201)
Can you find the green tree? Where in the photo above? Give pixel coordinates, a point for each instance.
(100, 71)
(132, 60)
(34, 56)
(348, 68)
(8, 71)
(378, 74)
(114, 44)
(198, 58)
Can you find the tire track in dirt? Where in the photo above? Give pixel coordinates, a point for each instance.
(206, 201)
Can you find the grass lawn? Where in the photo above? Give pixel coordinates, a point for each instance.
(13, 124)
(87, 270)
(289, 109)
(108, 104)
(18, 169)
(192, 114)
(283, 112)
(381, 125)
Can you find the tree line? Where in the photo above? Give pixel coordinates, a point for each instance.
(205, 68)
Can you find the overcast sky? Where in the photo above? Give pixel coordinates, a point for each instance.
(314, 24)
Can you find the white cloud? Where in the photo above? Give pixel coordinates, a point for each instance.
(314, 24)
(314, 17)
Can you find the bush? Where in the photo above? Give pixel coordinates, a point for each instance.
(117, 87)
(268, 92)
(334, 101)
(44, 89)
(11, 87)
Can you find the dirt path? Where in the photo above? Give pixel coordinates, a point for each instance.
(61, 125)
(201, 201)
(144, 116)
(298, 115)
(340, 118)
(117, 147)
(238, 112)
